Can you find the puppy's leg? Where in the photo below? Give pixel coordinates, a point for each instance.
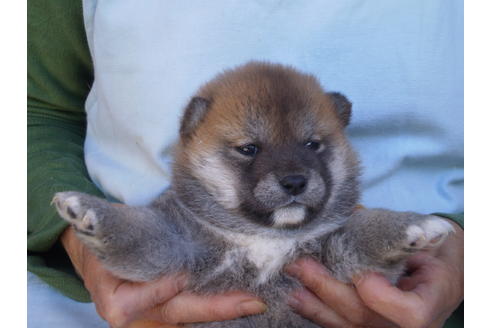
(381, 240)
(135, 243)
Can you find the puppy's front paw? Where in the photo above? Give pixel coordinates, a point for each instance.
(430, 232)
(73, 209)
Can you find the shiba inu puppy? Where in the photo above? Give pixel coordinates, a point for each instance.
(263, 174)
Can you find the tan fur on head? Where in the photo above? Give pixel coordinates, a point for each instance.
(237, 95)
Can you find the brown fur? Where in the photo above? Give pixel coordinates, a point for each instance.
(238, 94)
(241, 94)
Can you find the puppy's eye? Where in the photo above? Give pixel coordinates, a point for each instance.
(248, 150)
(313, 145)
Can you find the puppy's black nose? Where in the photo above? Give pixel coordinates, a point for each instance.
(294, 184)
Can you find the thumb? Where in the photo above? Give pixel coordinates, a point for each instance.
(384, 298)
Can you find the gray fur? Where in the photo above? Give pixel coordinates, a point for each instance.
(188, 229)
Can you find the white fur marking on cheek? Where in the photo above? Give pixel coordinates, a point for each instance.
(288, 215)
(218, 180)
(337, 166)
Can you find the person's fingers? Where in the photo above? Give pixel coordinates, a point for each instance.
(407, 283)
(419, 261)
(120, 302)
(315, 277)
(401, 307)
(309, 306)
(340, 297)
(417, 268)
(189, 308)
(431, 278)
(150, 324)
(149, 294)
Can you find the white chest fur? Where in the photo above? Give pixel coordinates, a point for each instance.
(268, 254)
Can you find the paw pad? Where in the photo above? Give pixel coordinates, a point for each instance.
(70, 208)
(428, 233)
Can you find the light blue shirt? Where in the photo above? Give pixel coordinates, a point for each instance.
(400, 62)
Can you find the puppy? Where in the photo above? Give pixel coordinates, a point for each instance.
(263, 174)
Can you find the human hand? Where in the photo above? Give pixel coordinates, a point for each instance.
(425, 298)
(156, 303)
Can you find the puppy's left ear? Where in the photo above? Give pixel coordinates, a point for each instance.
(193, 116)
(342, 105)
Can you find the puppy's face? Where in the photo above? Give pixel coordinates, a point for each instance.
(267, 142)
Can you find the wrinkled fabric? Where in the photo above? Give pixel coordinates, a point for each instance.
(399, 62)
(49, 309)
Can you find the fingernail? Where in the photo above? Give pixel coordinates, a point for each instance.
(251, 307)
(293, 301)
(293, 269)
(359, 278)
(356, 278)
(181, 281)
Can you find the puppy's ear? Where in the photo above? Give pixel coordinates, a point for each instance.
(342, 105)
(193, 115)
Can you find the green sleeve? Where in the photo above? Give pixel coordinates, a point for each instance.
(59, 77)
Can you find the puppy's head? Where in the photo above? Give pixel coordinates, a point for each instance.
(267, 143)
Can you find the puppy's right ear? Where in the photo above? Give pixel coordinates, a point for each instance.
(193, 115)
